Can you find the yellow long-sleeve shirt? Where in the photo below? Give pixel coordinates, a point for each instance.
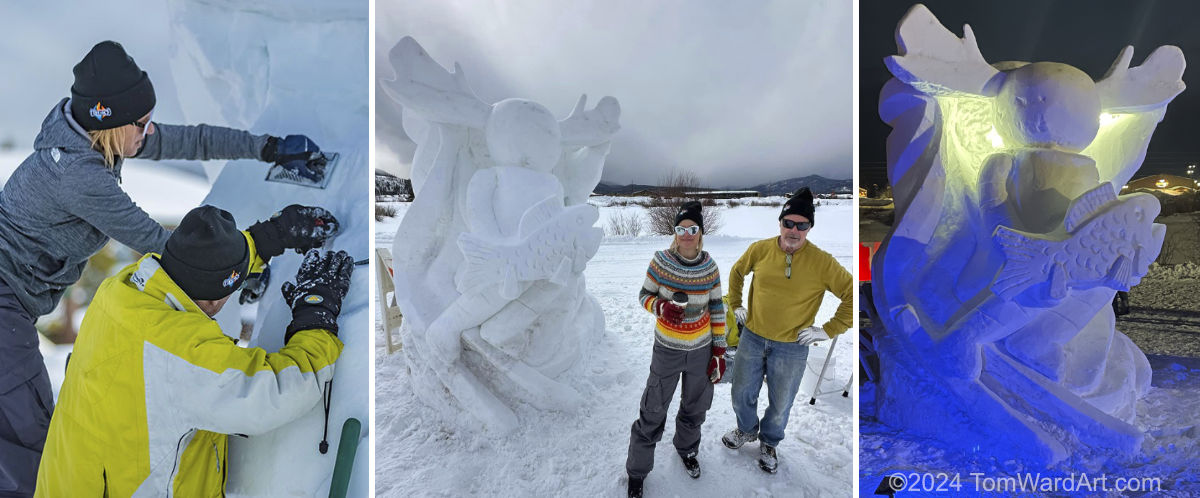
(779, 306)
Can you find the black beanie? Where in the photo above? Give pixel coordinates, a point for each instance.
(801, 203)
(110, 89)
(206, 255)
(691, 211)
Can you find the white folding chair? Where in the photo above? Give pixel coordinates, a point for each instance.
(387, 298)
(821, 377)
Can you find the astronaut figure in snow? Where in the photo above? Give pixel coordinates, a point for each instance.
(994, 286)
(489, 259)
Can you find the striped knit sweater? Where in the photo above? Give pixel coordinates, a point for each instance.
(704, 317)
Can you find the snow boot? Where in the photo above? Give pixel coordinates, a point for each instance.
(691, 464)
(767, 459)
(635, 487)
(736, 438)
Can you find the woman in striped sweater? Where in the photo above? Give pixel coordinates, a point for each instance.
(689, 344)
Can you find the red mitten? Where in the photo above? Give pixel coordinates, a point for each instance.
(716, 365)
(668, 311)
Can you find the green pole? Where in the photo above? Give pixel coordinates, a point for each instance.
(344, 464)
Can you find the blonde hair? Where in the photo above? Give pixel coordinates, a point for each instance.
(675, 243)
(109, 143)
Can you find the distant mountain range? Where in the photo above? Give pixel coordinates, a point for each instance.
(388, 184)
(818, 184)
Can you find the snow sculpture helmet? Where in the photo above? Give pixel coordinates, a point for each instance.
(1047, 104)
(523, 133)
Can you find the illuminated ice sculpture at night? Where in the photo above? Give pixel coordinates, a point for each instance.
(489, 258)
(996, 282)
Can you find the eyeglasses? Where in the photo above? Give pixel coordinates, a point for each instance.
(692, 230)
(802, 226)
(144, 126)
(788, 271)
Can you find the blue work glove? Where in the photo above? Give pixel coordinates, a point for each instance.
(296, 153)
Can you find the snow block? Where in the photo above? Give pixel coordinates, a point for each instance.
(282, 68)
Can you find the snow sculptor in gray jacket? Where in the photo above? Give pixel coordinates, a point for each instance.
(63, 203)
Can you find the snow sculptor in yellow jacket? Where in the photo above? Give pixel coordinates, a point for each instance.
(153, 386)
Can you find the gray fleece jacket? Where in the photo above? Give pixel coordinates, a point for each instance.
(62, 203)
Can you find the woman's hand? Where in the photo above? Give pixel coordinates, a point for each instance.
(716, 365)
(295, 153)
(668, 311)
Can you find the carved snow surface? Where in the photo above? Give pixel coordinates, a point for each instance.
(489, 259)
(302, 69)
(993, 289)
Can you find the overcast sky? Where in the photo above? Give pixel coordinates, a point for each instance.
(741, 93)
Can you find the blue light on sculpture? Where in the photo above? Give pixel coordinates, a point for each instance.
(1010, 240)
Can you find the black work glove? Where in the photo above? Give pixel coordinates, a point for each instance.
(316, 297)
(297, 227)
(297, 153)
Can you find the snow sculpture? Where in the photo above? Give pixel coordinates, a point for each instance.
(301, 69)
(489, 259)
(1010, 242)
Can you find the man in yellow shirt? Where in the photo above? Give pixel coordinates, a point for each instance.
(791, 276)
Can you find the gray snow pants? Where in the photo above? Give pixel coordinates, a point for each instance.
(26, 399)
(666, 367)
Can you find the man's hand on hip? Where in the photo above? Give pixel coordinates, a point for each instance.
(810, 335)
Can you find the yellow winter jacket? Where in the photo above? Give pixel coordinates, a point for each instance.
(779, 306)
(153, 387)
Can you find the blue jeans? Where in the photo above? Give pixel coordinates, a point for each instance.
(782, 364)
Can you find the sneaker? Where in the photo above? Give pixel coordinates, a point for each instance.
(691, 464)
(767, 459)
(635, 487)
(736, 438)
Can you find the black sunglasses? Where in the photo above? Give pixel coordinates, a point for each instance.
(798, 225)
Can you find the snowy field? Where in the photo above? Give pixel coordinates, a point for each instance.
(581, 451)
(1164, 321)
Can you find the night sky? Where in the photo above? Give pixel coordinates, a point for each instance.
(1087, 35)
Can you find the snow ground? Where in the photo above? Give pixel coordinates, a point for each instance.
(582, 452)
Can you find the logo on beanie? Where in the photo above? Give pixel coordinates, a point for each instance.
(314, 299)
(231, 280)
(100, 112)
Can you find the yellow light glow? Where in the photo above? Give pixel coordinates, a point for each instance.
(1107, 119)
(1162, 183)
(965, 138)
(995, 138)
